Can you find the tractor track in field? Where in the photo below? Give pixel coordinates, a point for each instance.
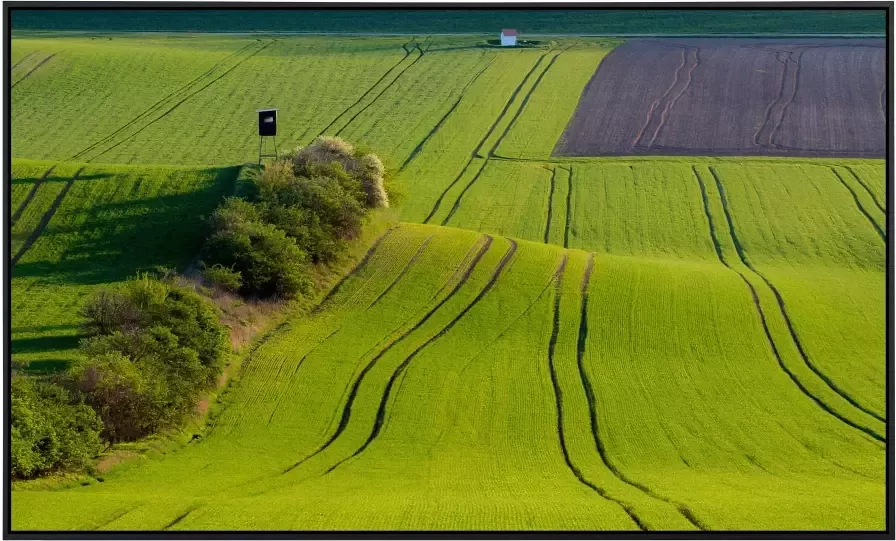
(475, 153)
(399, 371)
(183, 100)
(768, 110)
(361, 265)
(780, 300)
(557, 281)
(152, 108)
(778, 107)
(386, 88)
(353, 272)
(23, 59)
(525, 101)
(407, 53)
(456, 205)
(432, 132)
(867, 189)
(547, 224)
(855, 198)
(35, 68)
(512, 323)
(44, 220)
(567, 223)
(403, 272)
(671, 103)
(592, 408)
(656, 103)
(762, 317)
(790, 100)
(180, 518)
(356, 385)
(114, 518)
(28, 198)
(491, 152)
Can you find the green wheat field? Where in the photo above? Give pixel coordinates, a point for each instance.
(540, 343)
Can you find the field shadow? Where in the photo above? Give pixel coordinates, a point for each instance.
(110, 242)
(58, 179)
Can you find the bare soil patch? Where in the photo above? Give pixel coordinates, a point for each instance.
(760, 97)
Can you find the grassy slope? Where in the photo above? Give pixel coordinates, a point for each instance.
(661, 301)
(112, 222)
(807, 233)
(468, 385)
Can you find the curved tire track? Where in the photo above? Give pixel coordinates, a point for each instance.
(407, 53)
(494, 147)
(781, 306)
(381, 411)
(35, 68)
(671, 103)
(592, 408)
(383, 91)
(652, 109)
(181, 102)
(867, 189)
(558, 401)
(152, 108)
(347, 408)
(475, 153)
(432, 132)
(44, 220)
(861, 208)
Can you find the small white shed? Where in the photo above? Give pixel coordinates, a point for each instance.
(508, 37)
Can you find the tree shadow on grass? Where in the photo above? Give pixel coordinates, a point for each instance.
(112, 241)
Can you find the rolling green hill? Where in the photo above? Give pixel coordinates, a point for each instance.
(465, 381)
(548, 343)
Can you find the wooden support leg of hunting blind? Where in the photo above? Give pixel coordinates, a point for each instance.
(261, 155)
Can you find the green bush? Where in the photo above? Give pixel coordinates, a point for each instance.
(139, 382)
(270, 263)
(49, 430)
(224, 277)
(301, 210)
(145, 302)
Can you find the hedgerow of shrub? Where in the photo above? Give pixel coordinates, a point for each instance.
(154, 347)
(300, 211)
(50, 429)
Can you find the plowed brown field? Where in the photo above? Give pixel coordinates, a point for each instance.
(821, 97)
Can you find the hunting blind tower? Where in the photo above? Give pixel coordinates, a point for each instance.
(267, 127)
